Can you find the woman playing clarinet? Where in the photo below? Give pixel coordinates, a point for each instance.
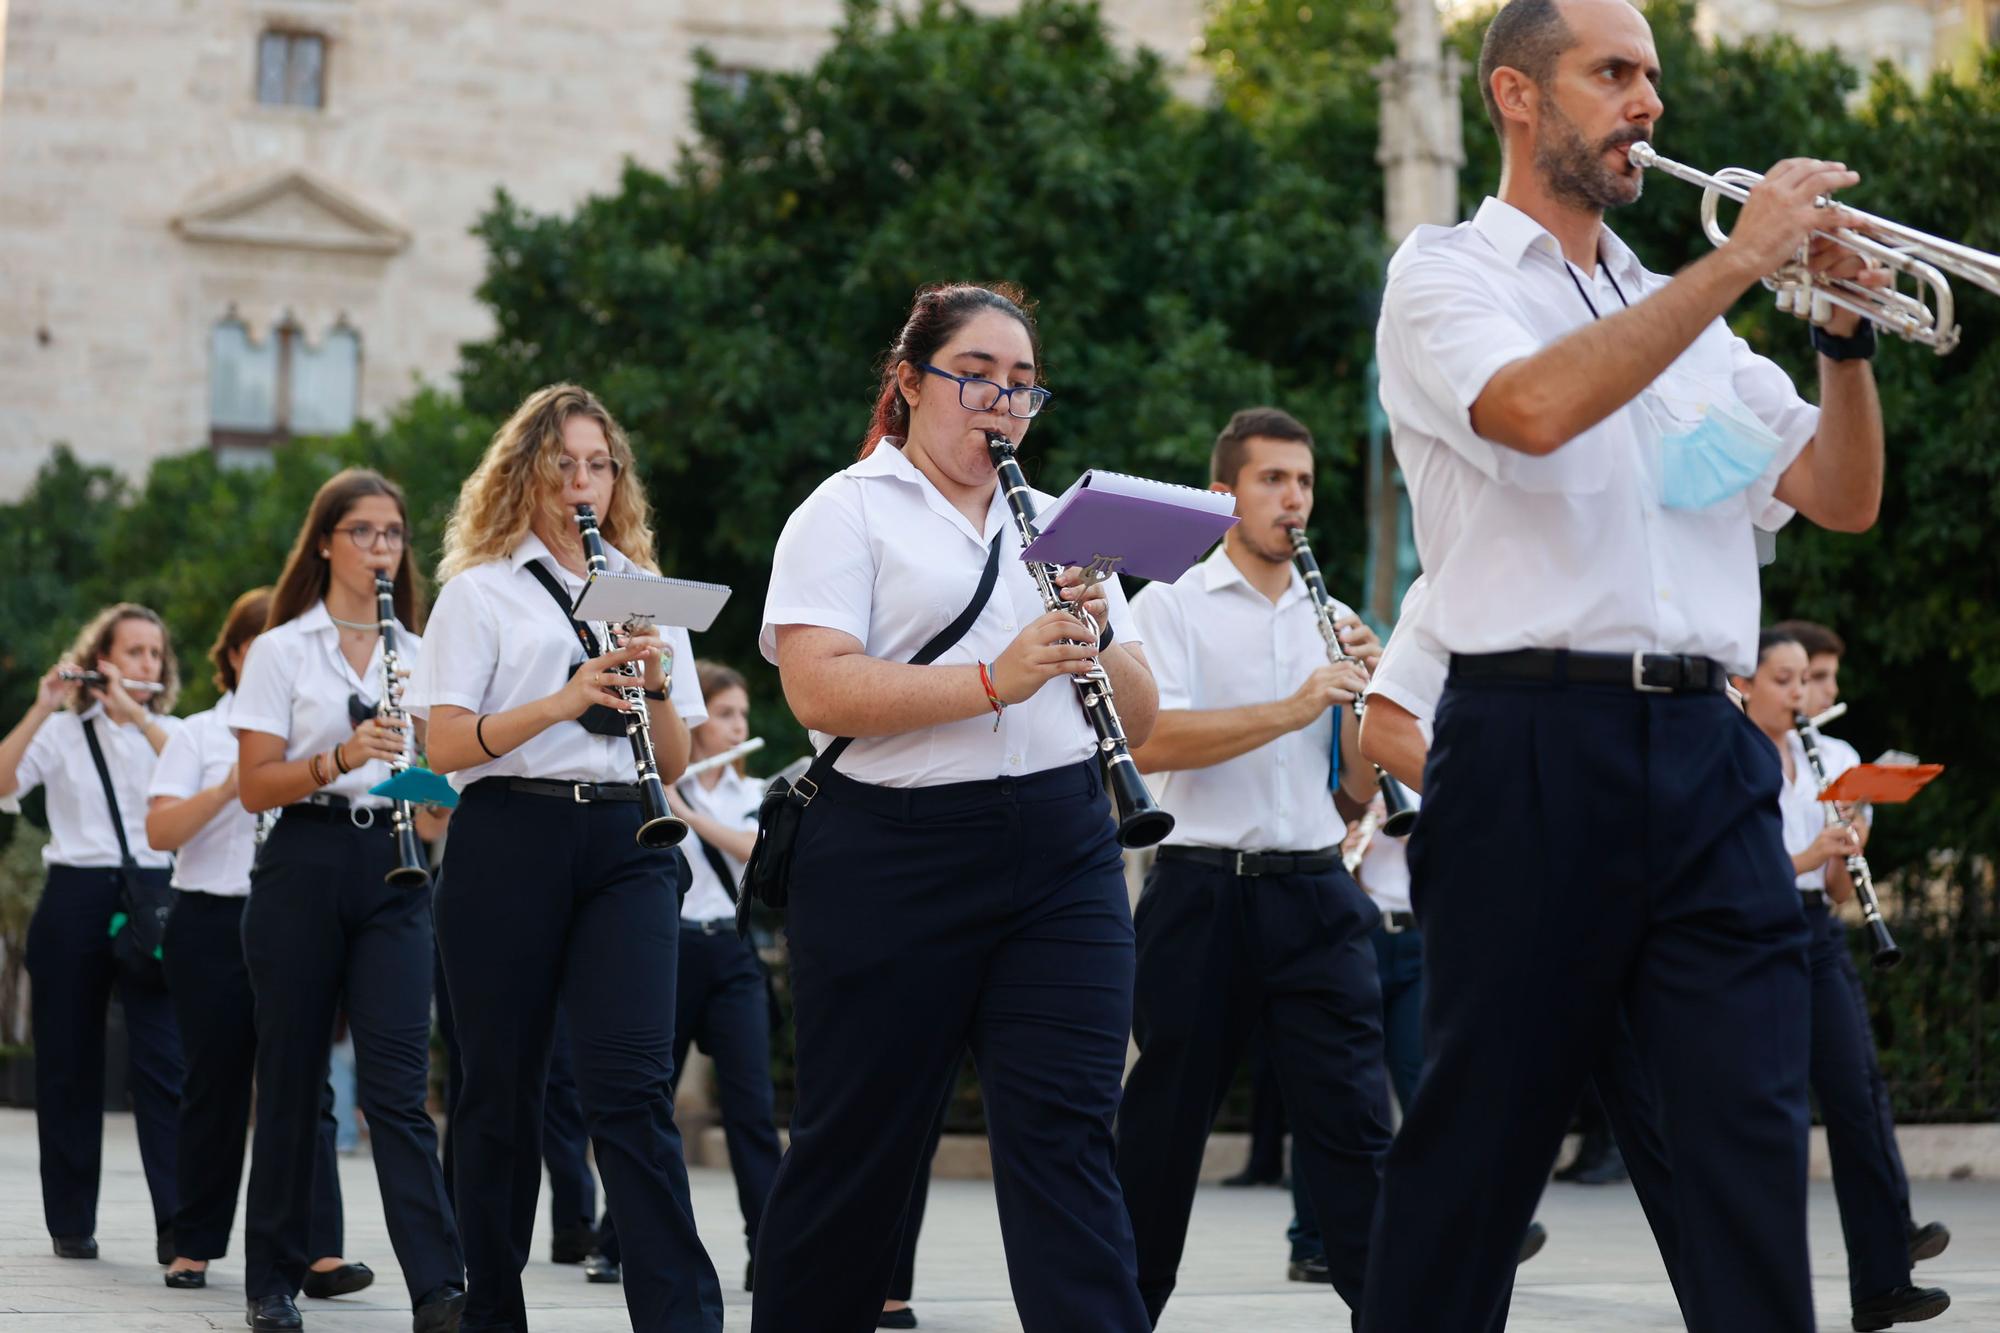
(547, 894)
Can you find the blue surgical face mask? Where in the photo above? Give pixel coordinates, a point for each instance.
(1721, 453)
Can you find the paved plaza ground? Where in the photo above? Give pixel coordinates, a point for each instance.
(1599, 1272)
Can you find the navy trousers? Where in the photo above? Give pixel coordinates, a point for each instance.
(721, 1006)
(548, 900)
(923, 921)
(1867, 1169)
(324, 933)
(1222, 956)
(71, 976)
(210, 986)
(565, 1143)
(1583, 849)
(903, 1280)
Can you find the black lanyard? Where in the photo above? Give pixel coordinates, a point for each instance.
(1609, 276)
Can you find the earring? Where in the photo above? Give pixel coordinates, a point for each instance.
(326, 555)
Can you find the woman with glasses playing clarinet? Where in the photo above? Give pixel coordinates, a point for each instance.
(325, 929)
(1873, 1217)
(109, 698)
(955, 881)
(193, 811)
(547, 894)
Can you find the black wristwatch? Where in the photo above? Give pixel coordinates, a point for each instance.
(1857, 346)
(657, 696)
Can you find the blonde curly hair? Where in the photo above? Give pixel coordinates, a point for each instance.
(517, 482)
(94, 640)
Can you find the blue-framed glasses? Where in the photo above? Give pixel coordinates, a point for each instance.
(977, 395)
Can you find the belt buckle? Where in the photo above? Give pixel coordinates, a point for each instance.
(801, 785)
(1389, 926)
(576, 793)
(1242, 870)
(355, 813)
(1639, 676)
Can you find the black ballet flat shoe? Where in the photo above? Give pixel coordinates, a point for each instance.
(342, 1281)
(440, 1310)
(79, 1247)
(1928, 1241)
(1904, 1305)
(163, 1247)
(186, 1279)
(597, 1268)
(572, 1245)
(1531, 1244)
(272, 1314)
(1313, 1268)
(903, 1318)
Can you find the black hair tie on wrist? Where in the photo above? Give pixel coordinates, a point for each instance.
(479, 734)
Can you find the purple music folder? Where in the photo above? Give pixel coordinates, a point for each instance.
(1109, 523)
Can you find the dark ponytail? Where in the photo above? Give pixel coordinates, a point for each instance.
(938, 313)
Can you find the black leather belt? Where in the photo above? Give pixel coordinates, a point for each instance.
(1812, 898)
(333, 809)
(583, 793)
(1395, 923)
(1255, 863)
(1648, 673)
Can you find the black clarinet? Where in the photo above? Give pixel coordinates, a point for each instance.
(1887, 955)
(412, 868)
(1141, 821)
(1402, 817)
(660, 827)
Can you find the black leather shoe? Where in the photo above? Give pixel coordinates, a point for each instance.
(750, 1276)
(903, 1318)
(163, 1247)
(1928, 1241)
(1247, 1178)
(1531, 1244)
(1904, 1305)
(341, 1281)
(1313, 1269)
(597, 1268)
(186, 1279)
(572, 1245)
(80, 1247)
(440, 1310)
(274, 1313)
(1606, 1169)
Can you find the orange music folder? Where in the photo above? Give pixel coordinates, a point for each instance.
(1880, 784)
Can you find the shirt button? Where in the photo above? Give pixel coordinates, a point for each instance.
(1014, 759)
(1666, 595)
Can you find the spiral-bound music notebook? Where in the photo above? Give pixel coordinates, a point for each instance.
(613, 599)
(1110, 523)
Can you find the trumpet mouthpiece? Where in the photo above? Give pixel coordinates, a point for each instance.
(1642, 155)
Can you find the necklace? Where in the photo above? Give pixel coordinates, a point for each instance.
(363, 625)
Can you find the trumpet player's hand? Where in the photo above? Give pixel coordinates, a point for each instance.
(119, 704)
(53, 693)
(1830, 259)
(1038, 655)
(1781, 213)
(596, 682)
(656, 656)
(1332, 686)
(376, 738)
(1078, 591)
(1357, 640)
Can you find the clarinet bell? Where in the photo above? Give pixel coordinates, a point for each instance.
(1887, 955)
(1141, 823)
(1402, 816)
(664, 830)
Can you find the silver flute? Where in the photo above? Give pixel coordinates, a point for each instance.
(412, 869)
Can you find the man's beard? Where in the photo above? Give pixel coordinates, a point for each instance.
(1575, 171)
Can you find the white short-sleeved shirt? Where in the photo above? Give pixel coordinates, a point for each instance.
(1575, 549)
(80, 830)
(198, 756)
(1215, 642)
(732, 803)
(296, 685)
(1799, 803)
(497, 640)
(878, 553)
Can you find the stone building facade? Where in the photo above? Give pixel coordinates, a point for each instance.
(228, 220)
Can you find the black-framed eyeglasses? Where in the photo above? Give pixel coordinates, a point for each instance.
(366, 535)
(978, 395)
(599, 467)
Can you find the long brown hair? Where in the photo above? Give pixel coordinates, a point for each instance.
(93, 641)
(244, 622)
(517, 482)
(938, 312)
(307, 572)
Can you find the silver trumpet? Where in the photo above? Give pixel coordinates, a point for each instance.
(1924, 316)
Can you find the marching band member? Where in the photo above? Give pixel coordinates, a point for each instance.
(1824, 649)
(192, 811)
(96, 812)
(1249, 922)
(1599, 820)
(955, 881)
(1874, 1210)
(323, 930)
(546, 895)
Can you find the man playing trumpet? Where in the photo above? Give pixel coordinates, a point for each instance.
(1588, 450)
